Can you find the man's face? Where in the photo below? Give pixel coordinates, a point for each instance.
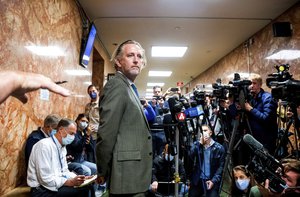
(157, 92)
(290, 178)
(255, 87)
(131, 62)
(206, 133)
(71, 130)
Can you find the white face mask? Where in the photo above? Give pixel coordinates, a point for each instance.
(167, 157)
(83, 125)
(68, 139)
(242, 184)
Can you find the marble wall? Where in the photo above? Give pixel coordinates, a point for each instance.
(252, 59)
(37, 23)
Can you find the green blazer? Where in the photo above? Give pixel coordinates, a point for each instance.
(124, 143)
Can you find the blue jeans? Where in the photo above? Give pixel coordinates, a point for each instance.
(83, 168)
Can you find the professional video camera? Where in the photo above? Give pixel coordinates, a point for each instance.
(237, 88)
(264, 166)
(283, 86)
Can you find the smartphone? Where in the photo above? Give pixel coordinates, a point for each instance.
(174, 89)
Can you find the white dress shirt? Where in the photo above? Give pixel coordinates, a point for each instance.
(47, 165)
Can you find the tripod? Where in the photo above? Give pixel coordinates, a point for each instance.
(283, 140)
(232, 145)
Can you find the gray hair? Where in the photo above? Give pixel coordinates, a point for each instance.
(52, 120)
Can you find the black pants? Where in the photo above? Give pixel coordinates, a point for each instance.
(198, 191)
(64, 191)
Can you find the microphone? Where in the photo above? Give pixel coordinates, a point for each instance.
(252, 142)
(264, 166)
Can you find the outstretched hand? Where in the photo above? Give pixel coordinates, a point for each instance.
(17, 84)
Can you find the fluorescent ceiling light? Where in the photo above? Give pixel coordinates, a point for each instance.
(78, 72)
(52, 51)
(285, 55)
(156, 84)
(148, 94)
(161, 51)
(153, 73)
(149, 90)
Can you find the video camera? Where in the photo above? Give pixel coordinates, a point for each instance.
(237, 88)
(264, 166)
(283, 86)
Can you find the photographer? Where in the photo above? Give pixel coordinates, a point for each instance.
(261, 111)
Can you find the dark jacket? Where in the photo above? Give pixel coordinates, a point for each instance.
(263, 119)
(32, 139)
(217, 160)
(78, 145)
(164, 170)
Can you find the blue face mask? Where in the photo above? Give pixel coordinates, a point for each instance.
(68, 139)
(242, 184)
(53, 132)
(167, 157)
(83, 125)
(93, 95)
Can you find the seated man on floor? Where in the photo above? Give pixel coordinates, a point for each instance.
(48, 173)
(50, 124)
(163, 174)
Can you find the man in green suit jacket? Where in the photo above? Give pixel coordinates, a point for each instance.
(124, 144)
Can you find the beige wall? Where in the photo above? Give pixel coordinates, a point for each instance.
(44, 23)
(264, 45)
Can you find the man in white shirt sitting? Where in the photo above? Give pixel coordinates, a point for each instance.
(48, 173)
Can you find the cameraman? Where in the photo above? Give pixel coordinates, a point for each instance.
(261, 111)
(290, 174)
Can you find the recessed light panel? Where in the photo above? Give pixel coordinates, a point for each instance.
(155, 84)
(164, 51)
(153, 73)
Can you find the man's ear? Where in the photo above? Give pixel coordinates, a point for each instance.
(117, 62)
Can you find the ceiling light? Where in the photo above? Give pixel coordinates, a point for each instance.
(52, 51)
(161, 51)
(149, 90)
(78, 72)
(285, 55)
(148, 94)
(156, 84)
(159, 73)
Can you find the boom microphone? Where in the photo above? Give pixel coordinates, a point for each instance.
(252, 142)
(264, 166)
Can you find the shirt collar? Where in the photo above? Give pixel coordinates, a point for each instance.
(45, 134)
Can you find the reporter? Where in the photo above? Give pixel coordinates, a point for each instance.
(18, 83)
(242, 182)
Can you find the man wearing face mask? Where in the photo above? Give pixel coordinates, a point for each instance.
(82, 148)
(50, 124)
(92, 110)
(48, 173)
(208, 158)
(164, 170)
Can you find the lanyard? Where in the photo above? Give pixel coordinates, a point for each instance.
(58, 154)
